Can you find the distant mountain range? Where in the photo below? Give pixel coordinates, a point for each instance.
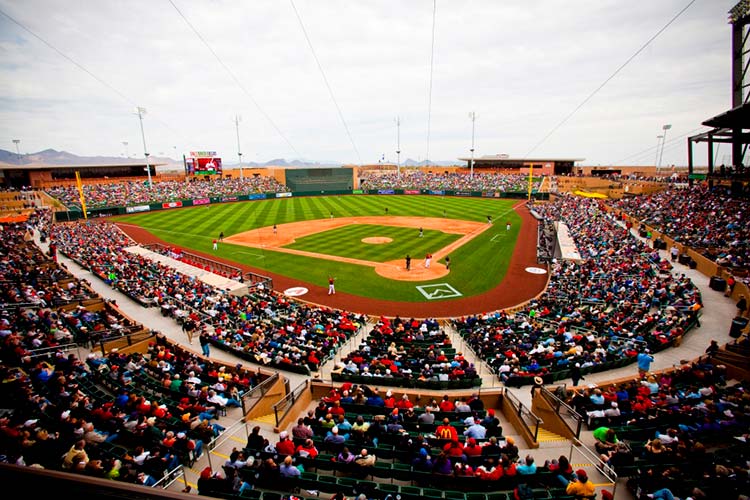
(54, 157)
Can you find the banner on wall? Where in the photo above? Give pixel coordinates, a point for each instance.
(202, 201)
(137, 208)
(172, 204)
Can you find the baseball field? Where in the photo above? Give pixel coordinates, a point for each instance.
(360, 241)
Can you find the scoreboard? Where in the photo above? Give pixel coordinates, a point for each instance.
(203, 163)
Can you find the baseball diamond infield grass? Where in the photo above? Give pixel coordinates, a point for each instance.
(476, 267)
(403, 242)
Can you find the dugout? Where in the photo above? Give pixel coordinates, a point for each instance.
(302, 180)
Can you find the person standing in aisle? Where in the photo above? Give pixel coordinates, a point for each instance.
(205, 342)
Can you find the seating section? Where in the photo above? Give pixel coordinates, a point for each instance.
(713, 227)
(448, 181)
(121, 194)
(262, 327)
(598, 312)
(407, 353)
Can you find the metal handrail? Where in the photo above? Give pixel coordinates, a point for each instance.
(285, 404)
(45, 351)
(604, 468)
(257, 392)
(522, 410)
(170, 477)
(559, 404)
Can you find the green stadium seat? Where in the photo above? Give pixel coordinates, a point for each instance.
(455, 495)
(432, 493)
(347, 485)
(411, 493)
(386, 488)
(251, 494)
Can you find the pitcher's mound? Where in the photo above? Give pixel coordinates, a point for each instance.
(377, 240)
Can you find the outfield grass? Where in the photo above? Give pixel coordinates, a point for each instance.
(476, 267)
(347, 242)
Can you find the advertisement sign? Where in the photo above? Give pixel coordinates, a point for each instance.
(203, 163)
(258, 196)
(411, 191)
(172, 204)
(463, 193)
(386, 191)
(439, 192)
(137, 208)
(202, 201)
(358, 191)
(207, 166)
(283, 195)
(491, 194)
(230, 198)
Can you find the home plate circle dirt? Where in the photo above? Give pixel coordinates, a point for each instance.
(377, 240)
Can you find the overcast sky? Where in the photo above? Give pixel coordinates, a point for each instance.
(521, 65)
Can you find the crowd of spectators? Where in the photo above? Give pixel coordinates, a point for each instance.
(140, 429)
(263, 327)
(60, 416)
(447, 181)
(683, 430)
(618, 300)
(711, 221)
(401, 351)
(120, 194)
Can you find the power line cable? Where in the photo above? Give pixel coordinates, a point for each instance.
(84, 69)
(234, 77)
(596, 91)
(429, 94)
(328, 86)
(651, 149)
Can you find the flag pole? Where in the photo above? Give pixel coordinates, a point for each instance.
(79, 185)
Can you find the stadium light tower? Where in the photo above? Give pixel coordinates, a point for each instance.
(398, 147)
(142, 111)
(658, 145)
(663, 141)
(18, 151)
(237, 120)
(473, 117)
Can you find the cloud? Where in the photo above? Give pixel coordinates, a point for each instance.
(521, 66)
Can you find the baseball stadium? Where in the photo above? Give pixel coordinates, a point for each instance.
(504, 328)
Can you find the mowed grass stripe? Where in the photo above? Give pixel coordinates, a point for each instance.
(477, 266)
(347, 242)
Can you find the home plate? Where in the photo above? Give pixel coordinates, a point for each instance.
(295, 291)
(536, 270)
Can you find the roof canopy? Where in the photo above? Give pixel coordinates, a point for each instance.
(738, 117)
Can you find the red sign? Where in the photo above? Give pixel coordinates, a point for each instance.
(172, 204)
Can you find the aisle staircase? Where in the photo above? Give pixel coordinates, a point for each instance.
(266, 419)
(545, 436)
